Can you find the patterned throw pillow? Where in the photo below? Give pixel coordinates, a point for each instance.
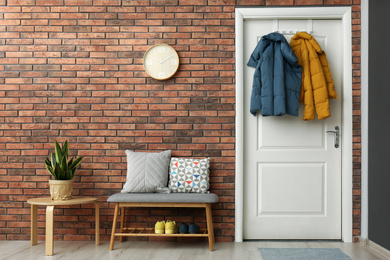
(189, 175)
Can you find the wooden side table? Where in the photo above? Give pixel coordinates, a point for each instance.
(50, 204)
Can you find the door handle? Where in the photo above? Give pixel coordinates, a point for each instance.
(337, 136)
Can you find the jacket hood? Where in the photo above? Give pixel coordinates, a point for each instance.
(277, 37)
(309, 40)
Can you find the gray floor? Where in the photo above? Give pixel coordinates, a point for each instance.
(78, 250)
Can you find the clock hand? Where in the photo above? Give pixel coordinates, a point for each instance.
(167, 58)
(156, 60)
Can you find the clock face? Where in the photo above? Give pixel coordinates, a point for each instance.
(161, 61)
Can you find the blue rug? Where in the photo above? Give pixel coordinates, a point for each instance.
(302, 254)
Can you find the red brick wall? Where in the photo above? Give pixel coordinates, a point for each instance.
(72, 70)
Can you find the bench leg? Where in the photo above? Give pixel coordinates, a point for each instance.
(210, 229)
(97, 224)
(122, 224)
(114, 226)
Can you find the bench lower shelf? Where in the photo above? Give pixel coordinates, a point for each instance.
(149, 232)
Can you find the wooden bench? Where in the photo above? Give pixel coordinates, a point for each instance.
(171, 200)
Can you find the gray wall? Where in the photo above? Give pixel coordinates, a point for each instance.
(379, 124)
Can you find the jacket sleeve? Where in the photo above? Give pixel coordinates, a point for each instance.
(256, 104)
(254, 61)
(255, 56)
(328, 76)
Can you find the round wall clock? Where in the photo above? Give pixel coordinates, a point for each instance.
(161, 61)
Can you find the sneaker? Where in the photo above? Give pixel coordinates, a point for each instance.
(183, 228)
(159, 228)
(170, 227)
(193, 228)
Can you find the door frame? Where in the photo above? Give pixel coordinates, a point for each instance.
(342, 13)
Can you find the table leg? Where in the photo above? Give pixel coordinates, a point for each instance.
(49, 230)
(34, 224)
(97, 224)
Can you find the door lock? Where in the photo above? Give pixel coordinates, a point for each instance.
(337, 136)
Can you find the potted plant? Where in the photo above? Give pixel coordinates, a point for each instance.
(63, 171)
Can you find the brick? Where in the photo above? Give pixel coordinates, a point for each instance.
(18, 67)
(107, 2)
(34, 22)
(189, 16)
(47, 41)
(278, 2)
(49, 2)
(45, 15)
(9, 35)
(121, 9)
(32, 61)
(337, 2)
(21, 2)
(74, 16)
(92, 9)
(90, 74)
(47, 67)
(309, 2)
(18, 81)
(69, 67)
(17, 16)
(77, 29)
(135, 2)
(190, 2)
(78, 2)
(35, 9)
(10, 22)
(47, 54)
(221, 2)
(164, 2)
(9, 74)
(61, 61)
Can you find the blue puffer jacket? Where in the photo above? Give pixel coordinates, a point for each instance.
(277, 78)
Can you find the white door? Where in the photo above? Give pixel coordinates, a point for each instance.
(292, 169)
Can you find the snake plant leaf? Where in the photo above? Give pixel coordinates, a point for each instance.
(48, 166)
(57, 172)
(76, 163)
(65, 150)
(70, 163)
(58, 152)
(71, 173)
(64, 164)
(49, 169)
(47, 161)
(53, 160)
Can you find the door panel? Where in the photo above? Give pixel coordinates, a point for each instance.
(292, 169)
(306, 135)
(301, 192)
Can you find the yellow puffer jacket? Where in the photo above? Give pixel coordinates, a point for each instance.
(317, 85)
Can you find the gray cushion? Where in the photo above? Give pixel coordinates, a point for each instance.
(171, 197)
(146, 172)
